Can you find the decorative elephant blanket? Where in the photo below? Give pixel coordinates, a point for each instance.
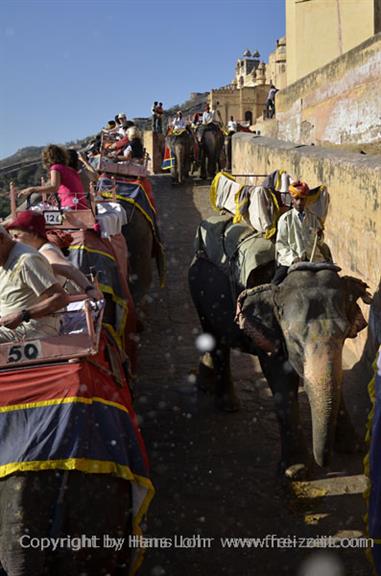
(169, 159)
(236, 249)
(255, 204)
(139, 194)
(74, 416)
(108, 258)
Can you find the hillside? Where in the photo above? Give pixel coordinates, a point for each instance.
(24, 167)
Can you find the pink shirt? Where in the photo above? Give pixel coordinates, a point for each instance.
(70, 191)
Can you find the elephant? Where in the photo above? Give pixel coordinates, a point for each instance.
(74, 469)
(297, 330)
(211, 151)
(181, 144)
(140, 231)
(140, 241)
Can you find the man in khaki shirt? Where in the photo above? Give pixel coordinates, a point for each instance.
(298, 232)
(29, 292)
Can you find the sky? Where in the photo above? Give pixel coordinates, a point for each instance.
(68, 66)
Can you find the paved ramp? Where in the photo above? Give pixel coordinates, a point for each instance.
(215, 474)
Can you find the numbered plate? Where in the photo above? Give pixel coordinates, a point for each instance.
(53, 217)
(24, 352)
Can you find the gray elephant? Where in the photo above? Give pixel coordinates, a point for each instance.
(297, 330)
(141, 232)
(140, 240)
(182, 146)
(212, 155)
(73, 465)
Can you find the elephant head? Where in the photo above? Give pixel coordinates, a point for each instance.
(308, 317)
(182, 148)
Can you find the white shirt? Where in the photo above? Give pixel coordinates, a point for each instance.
(209, 117)
(49, 246)
(232, 126)
(271, 94)
(178, 123)
(296, 235)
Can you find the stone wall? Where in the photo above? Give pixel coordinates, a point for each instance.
(353, 226)
(319, 31)
(339, 103)
(154, 144)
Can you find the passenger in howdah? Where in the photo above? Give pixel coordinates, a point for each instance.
(134, 149)
(211, 120)
(299, 235)
(123, 124)
(29, 292)
(178, 123)
(74, 162)
(111, 127)
(65, 182)
(29, 228)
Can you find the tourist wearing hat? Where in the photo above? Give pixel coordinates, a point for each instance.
(29, 293)
(29, 228)
(110, 127)
(64, 181)
(123, 124)
(299, 233)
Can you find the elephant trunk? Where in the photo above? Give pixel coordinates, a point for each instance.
(322, 381)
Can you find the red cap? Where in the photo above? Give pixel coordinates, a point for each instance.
(29, 221)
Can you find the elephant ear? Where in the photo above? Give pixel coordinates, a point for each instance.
(355, 289)
(255, 316)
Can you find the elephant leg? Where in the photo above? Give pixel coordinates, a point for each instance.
(206, 380)
(284, 382)
(225, 397)
(174, 173)
(180, 164)
(202, 162)
(222, 161)
(138, 234)
(211, 294)
(27, 502)
(187, 164)
(211, 165)
(96, 505)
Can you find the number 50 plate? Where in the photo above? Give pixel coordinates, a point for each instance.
(53, 217)
(24, 352)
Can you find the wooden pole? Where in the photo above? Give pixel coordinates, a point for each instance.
(13, 197)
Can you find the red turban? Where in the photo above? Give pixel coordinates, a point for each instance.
(298, 189)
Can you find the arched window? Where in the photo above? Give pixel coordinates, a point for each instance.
(249, 116)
